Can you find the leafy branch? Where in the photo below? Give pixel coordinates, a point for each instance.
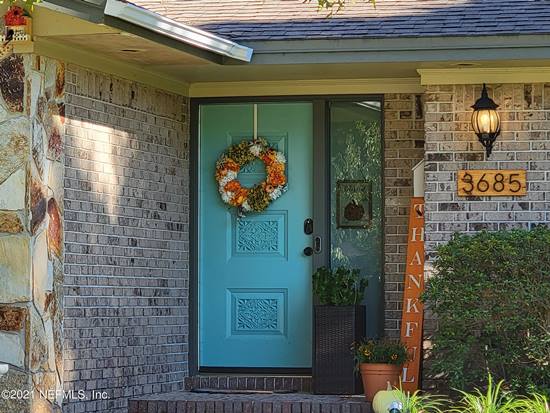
(26, 4)
(334, 6)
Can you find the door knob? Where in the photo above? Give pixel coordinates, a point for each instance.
(308, 251)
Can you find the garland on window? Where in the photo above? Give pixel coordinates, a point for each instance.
(261, 195)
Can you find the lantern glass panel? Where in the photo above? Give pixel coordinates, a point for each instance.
(485, 121)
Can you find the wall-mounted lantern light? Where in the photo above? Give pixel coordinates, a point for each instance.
(486, 121)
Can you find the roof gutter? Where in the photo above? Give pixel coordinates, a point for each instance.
(199, 38)
(403, 49)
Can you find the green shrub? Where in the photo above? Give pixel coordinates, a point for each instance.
(340, 287)
(491, 296)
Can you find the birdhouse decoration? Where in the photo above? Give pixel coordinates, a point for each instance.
(18, 25)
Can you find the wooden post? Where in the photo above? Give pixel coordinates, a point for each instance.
(413, 309)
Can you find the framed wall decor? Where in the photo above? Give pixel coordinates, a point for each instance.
(353, 203)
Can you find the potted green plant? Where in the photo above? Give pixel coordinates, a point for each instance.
(380, 362)
(339, 319)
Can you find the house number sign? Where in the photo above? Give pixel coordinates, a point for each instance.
(492, 182)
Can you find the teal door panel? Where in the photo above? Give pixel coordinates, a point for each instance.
(254, 280)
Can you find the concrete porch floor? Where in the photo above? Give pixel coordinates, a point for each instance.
(190, 402)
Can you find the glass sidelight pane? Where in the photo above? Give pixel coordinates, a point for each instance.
(356, 197)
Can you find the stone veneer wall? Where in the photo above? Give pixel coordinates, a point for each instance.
(404, 148)
(31, 235)
(126, 218)
(451, 145)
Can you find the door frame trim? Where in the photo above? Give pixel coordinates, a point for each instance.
(321, 202)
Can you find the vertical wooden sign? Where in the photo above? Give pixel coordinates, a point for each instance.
(413, 309)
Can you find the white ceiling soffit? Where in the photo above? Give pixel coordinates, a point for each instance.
(167, 27)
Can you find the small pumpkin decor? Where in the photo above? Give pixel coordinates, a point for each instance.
(379, 362)
(399, 401)
(354, 211)
(257, 198)
(387, 400)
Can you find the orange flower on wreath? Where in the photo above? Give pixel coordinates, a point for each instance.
(276, 167)
(232, 165)
(269, 157)
(232, 186)
(276, 179)
(239, 197)
(220, 173)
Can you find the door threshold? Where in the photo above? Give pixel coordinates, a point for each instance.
(242, 381)
(256, 371)
(230, 391)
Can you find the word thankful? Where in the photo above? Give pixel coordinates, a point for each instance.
(413, 309)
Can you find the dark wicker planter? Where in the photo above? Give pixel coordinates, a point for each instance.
(335, 328)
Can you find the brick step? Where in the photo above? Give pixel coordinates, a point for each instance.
(190, 402)
(301, 384)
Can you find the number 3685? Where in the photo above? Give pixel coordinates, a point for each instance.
(491, 183)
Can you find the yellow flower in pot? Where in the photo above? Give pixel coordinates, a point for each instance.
(379, 362)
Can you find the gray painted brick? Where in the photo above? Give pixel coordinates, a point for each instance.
(523, 144)
(401, 133)
(126, 292)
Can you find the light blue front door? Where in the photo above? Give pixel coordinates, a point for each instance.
(254, 279)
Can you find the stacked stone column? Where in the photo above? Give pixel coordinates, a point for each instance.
(31, 235)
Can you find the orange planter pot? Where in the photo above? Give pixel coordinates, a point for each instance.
(376, 376)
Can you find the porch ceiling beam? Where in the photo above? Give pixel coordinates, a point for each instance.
(480, 75)
(104, 64)
(306, 87)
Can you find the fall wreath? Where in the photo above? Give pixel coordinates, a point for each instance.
(261, 195)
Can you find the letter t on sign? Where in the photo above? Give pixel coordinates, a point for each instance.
(413, 309)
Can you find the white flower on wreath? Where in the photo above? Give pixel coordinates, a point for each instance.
(275, 194)
(230, 176)
(246, 206)
(227, 196)
(256, 150)
(280, 157)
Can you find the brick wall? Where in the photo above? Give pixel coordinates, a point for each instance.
(451, 145)
(404, 147)
(126, 218)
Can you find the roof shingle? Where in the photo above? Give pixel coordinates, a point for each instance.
(293, 19)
